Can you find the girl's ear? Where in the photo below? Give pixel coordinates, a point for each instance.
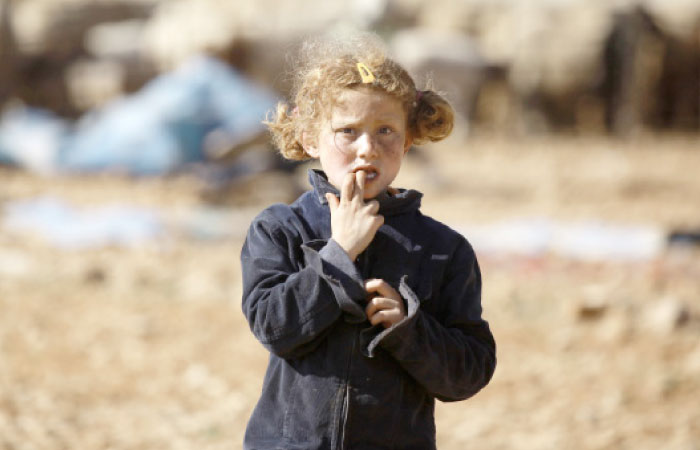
(407, 144)
(309, 144)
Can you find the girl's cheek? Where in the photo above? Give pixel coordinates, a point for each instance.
(392, 149)
(394, 143)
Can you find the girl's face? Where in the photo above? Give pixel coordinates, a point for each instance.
(366, 131)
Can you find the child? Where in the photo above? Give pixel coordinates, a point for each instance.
(370, 310)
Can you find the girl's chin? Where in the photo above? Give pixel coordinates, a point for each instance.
(372, 192)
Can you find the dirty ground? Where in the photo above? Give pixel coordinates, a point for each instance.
(145, 347)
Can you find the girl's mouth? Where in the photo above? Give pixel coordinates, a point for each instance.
(370, 172)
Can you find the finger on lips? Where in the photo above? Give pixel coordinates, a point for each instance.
(361, 177)
(348, 187)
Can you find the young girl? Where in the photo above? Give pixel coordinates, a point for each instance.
(370, 310)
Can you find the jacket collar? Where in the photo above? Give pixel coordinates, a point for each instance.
(406, 200)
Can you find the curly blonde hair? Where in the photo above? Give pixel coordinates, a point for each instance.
(326, 67)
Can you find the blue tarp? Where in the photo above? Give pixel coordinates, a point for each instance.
(154, 131)
(31, 138)
(62, 224)
(66, 226)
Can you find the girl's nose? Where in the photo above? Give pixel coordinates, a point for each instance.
(367, 147)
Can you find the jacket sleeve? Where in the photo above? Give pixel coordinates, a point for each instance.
(293, 291)
(451, 354)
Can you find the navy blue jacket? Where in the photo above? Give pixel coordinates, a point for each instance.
(333, 380)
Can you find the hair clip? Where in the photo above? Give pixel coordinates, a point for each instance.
(365, 73)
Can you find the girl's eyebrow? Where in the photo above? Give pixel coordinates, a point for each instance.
(350, 120)
(345, 121)
(340, 123)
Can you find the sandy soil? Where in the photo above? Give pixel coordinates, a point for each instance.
(146, 348)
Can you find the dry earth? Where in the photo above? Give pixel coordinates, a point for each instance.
(146, 348)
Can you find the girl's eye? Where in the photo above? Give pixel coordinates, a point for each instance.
(345, 130)
(385, 130)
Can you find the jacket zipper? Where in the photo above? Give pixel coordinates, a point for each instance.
(346, 404)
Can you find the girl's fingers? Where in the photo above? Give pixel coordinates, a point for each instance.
(376, 319)
(385, 305)
(382, 288)
(360, 178)
(372, 284)
(386, 317)
(333, 201)
(380, 304)
(373, 207)
(348, 188)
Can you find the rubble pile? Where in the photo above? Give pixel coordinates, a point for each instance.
(508, 66)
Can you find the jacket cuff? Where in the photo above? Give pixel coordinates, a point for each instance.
(397, 334)
(333, 264)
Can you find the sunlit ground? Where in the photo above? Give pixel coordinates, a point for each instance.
(145, 347)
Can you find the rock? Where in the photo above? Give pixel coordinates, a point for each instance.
(95, 275)
(665, 315)
(593, 305)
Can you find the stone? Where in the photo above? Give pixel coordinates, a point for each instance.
(665, 315)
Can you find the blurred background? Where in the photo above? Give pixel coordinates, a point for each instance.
(132, 160)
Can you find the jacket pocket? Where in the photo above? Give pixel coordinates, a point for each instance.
(311, 409)
(427, 283)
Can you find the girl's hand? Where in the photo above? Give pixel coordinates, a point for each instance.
(385, 305)
(353, 222)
